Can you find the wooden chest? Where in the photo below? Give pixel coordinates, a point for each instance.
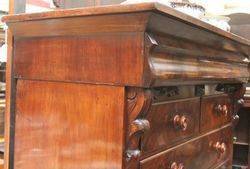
(122, 87)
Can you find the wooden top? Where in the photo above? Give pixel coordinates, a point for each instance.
(116, 9)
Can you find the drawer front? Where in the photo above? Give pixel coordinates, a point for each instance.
(215, 112)
(202, 153)
(170, 123)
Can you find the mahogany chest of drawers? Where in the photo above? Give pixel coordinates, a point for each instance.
(122, 87)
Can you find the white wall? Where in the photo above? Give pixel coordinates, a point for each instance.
(4, 5)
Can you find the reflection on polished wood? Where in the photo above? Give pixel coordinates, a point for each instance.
(123, 87)
(58, 121)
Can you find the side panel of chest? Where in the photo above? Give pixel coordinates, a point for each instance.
(68, 126)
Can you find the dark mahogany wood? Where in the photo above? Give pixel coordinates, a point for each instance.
(163, 131)
(163, 67)
(138, 102)
(198, 153)
(61, 126)
(158, 63)
(98, 59)
(226, 165)
(124, 9)
(213, 114)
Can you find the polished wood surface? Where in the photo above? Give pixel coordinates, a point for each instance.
(96, 59)
(51, 116)
(195, 54)
(147, 123)
(198, 153)
(161, 56)
(78, 26)
(213, 113)
(124, 9)
(123, 87)
(152, 67)
(163, 131)
(138, 102)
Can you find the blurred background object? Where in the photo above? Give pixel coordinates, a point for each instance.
(185, 6)
(39, 5)
(3, 54)
(240, 24)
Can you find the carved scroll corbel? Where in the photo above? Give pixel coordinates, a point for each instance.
(138, 103)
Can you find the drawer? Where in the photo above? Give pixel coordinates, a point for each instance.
(215, 111)
(203, 153)
(170, 123)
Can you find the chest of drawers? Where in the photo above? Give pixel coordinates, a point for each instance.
(122, 87)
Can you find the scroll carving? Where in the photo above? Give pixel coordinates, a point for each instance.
(138, 103)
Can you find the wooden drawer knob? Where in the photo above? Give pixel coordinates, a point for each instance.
(174, 165)
(221, 109)
(180, 122)
(220, 147)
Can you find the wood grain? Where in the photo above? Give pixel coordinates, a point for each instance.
(85, 85)
(114, 9)
(138, 103)
(120, 58)
(77, 26)
(67, 126)
(210, 118)
(172, 67)
(163, 133)
(194, 154)
(109, 59)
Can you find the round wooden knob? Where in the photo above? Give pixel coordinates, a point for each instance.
(222, 109)
(220, 147)
(180, 122)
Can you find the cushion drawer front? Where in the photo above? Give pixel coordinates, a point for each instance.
(216, 111)
(170, 123)
(203, 153)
